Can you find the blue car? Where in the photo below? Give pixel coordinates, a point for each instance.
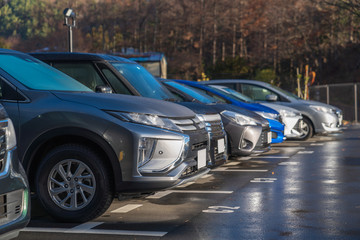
(277, 127)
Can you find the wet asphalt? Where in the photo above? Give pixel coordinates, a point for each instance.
(299, 190)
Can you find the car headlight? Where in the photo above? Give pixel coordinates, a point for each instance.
(7, 130)
(146, 119)
(239, 118)
(287, 113)
(321, 109)
(268, 115)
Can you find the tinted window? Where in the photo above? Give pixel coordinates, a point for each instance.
(114, 81)
(193, 92)
(142, 80)
(256, 93)
(83, 72)
(9, 93)
(37, 75)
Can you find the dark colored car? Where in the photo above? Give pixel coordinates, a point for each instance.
(127, 77)
(276, 126)
(80, 148)
(248, 133)
(14, 188)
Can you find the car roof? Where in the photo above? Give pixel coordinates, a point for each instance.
(66, 56)
(4, 50)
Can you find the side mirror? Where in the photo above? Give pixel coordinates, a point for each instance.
(271, 98)
(103, 89)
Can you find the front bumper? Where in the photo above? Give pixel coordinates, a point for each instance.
(328, 122)
(188, 167)
(292, 124)
(277, 130)
(14, 197)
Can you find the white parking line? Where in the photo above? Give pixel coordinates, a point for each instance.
(272, 157)
(263, 180)
(206, 176)
(159, 195)
(127, 208)
(317, 144)
(96, 231)
(86, 226)
(231, 164)
(289, 163)
(238, 170)
(305, 152)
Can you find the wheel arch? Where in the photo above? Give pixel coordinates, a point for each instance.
(47, 141)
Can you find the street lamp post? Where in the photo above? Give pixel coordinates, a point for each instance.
(69, 21)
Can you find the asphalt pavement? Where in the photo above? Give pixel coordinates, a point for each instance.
(298, 190)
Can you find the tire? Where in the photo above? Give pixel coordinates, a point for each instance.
(306, 129)
(73, 184)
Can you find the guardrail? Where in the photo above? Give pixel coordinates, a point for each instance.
(343, 96)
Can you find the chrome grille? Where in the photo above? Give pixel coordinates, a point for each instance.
(2, 149)
(188, 124)
(263, 139)
(214, 125)
(11, 206)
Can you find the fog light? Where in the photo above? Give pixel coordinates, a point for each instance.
(146, 149)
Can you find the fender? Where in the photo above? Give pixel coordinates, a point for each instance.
(54, 137)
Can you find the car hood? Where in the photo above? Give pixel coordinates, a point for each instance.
(200, 108)
(311, 102)
(127, 103)
(279, 107)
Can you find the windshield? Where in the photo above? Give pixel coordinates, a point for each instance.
(193, 92)
(236, 94)
(37, 75)
(143, 81)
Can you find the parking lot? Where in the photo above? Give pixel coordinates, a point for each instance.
(298, 190)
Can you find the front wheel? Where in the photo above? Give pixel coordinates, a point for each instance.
(73, 184)
(306, 129)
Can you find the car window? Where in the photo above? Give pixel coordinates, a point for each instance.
(142, 80)
(256, 93)
(37, 75)
(193, 92)
(116, 83)
(83, 72)
(9, 93)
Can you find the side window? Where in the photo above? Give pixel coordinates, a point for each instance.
(9, 93)
(229, 85)
(218, 98)
(114, 81)
(82, 72)
(256, 93)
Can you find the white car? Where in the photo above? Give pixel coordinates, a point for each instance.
(292, 118)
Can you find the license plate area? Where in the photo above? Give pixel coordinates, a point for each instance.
(201, 158)
(221, 145)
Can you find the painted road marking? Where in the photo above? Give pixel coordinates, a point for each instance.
(206, 176)
(305, 152)
(271, 157)
(289, 163)
(317, 144)
(96, 231)
(231, 164)
(127, 208)
(220, 209)
(263, 180)
(159, 195)
(238, 170)
(86, 226)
